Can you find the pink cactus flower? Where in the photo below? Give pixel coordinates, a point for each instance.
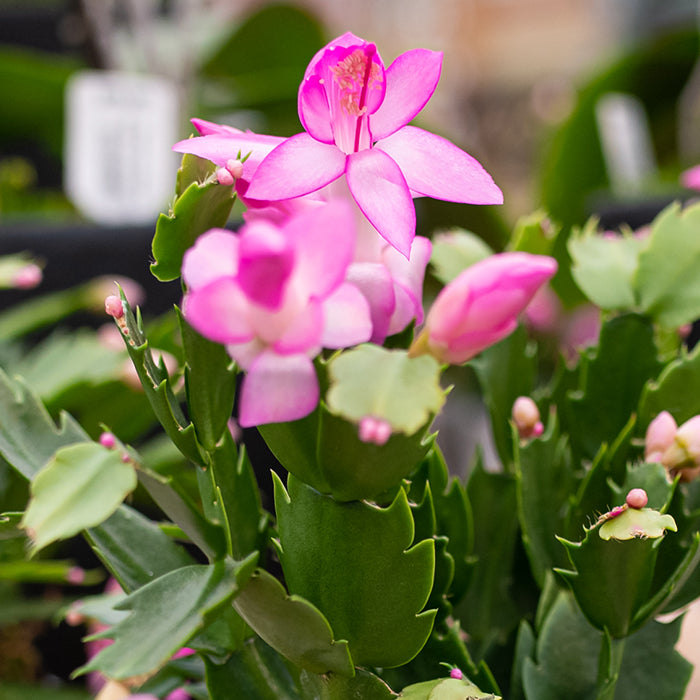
(355, 115)
(683, 454)
(659, 436)
(481, 305)
(275, 296)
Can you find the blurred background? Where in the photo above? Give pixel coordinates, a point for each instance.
(576, 107)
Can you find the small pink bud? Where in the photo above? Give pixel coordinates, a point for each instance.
(691, 178)
(74, 617)
(374, 430)
(637, 499)
(659, 436)
(126, 458)
(683, 455)
(224, 177)
(685, 330)
(27, 277)
(108, 440)
(526, 417)
(481, 306)
(456, 673)
(235, 167)
(114, 306)
(75, 575)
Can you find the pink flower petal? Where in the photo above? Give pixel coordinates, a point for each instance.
(380, 190)
(303, 334)
(205, 128)
(376, 285)
(219, 149)
(434, 167)
(214, 255)
(410, 82)
(323, 238)
(265, 264)
(219, 311)
(298, 166)
(314, 112)
(346, 318)
(278, 389)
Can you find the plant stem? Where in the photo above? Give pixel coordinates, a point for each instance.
(609, 664)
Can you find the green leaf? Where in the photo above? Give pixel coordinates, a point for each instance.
(20, 691)
(355, 562)
(81, 486)
(524, 650)
(505, 371)
(198, 206)
(645, 523)
(404, 391)
(292, 626)
(134, 549)
(604, 266)
(488, 611)
(676, 390)
(612, 579)
(456, 250)
(363, 685)
(156, 385)
(445, 689)
(210, 380)
(28, 435)
(667, 281)
(46, 571)
(610, 384)
(535, 233)
(165, 614)
(10, 526)
(256, 671)
(173, 499)
(544, 484)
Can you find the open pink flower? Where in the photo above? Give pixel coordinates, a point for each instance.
(275, 295)
(481, 305)
(355, 115)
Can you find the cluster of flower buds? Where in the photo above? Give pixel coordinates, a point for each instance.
(677, 448)
(526, 417)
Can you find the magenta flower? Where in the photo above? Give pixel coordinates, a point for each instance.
(276, 295)
(355, 115)
(481, 305)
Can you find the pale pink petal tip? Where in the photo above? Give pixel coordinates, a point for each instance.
(374, 430)
(114, 307)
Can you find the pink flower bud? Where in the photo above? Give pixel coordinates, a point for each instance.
(74, 617)
(526, 417)
(456, 673)
(108, 440)
(691, 178)
(75, 575)
(235, 168)
(27, 277)
(683, 455)
(659, 436)
(637, 499)
(481, 305)
(375, 430)
(114, 307)
(224, 177)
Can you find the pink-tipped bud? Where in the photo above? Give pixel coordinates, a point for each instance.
(27, 277)
(75, 575)
(74, 617)
(637, 498)
(114, 306)
(526, 417)
(691, 178)
(108, 440)
(235, 167)
(659, 436)
(456, 673)
(685, 330)
(224, 177)
(374, 430)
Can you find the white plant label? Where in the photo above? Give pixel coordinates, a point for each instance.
(120, 128)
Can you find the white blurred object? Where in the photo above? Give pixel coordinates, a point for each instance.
(626, 142)
(120, 128)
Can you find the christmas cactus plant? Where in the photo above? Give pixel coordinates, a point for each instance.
(366, 570)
